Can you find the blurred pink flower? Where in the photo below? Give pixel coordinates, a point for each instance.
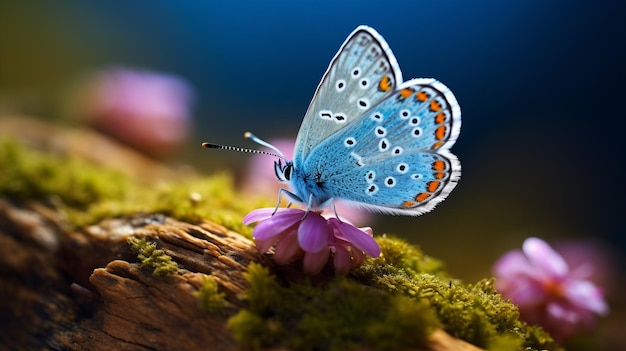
(147, 110)
(314, 237)
(547, 291)
(261, 179)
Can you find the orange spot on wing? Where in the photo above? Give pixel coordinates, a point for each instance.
(440, 118)
(406, 92)
(435, 106)
(421, 197)
(439, 165)
(436, 145)
(433, 186)
(384, 84)
(421, 96)
(440, 133)
(440, 175)
(408, 204)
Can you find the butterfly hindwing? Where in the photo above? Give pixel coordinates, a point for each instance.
(394, 158)
(362, 73)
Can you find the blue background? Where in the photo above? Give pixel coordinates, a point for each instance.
(540, 85)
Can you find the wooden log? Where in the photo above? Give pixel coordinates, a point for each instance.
(84, 290)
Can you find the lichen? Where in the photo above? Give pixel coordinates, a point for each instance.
(209, 296)
(152, 258)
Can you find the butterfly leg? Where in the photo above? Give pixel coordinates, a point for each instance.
(289, 195)
(331, 203)
(332, 200)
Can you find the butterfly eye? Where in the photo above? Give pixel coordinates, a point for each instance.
(283, 173)
(287, 171)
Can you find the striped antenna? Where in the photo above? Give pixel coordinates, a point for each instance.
(252, 137)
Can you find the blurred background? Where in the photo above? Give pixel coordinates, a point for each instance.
(539, 84)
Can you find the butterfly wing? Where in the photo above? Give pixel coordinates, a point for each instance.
(362, 73)
(395, 157)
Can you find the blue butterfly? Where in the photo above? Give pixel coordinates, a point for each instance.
(372, 140)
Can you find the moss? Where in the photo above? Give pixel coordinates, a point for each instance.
(211, 299)
(392, 302)
(339, 315)
(28, 174)
(472, 312)
(212, 198)
(152, 258)
(87, 193)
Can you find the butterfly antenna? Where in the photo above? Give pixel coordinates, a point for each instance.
(250, 136)
(259, 141)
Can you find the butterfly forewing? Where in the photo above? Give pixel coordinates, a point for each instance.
(362, 73)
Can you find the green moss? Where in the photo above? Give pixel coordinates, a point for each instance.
(28, 174)
(152, 258)
(339, 315)
(212, 198)
(473, 312)
(392, 302)
(87, 193)
(211, 299)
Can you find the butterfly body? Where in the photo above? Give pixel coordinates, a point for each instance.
(372, 140)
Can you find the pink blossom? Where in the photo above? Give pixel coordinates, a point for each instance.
(150, 111)
(296, 233)
(547, 291)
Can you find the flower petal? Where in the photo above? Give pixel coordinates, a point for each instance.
(313, 233)
(314, 262)
(276, 224)
(342, 260)
(586, 295)
(512, 263)
(263, 245)
(357, 258)
(525, 292)
(265, 213)
(357, 237)
(287, 248)
(542, 256)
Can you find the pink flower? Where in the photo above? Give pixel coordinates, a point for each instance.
(548, 293)
(261, 179)
(147, 110)
(312, 236)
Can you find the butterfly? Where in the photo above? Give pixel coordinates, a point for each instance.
(371, 139)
